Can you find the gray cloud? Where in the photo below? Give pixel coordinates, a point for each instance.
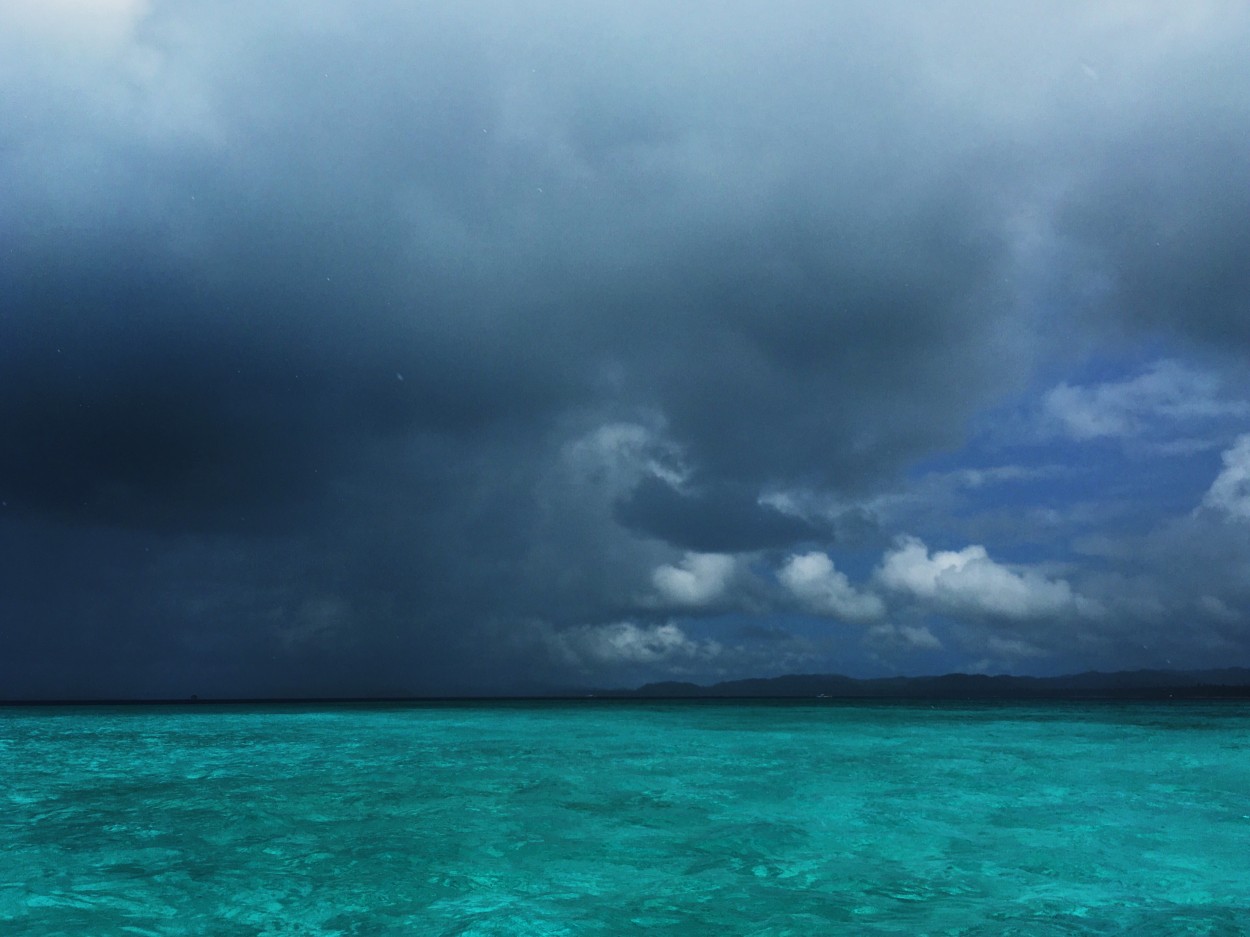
(316, 303)
(726, 519)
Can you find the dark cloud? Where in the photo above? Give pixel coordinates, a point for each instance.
(1162, 226)
(722, 521)
(397, 334)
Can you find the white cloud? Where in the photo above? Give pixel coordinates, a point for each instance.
(1230, 492)
(627, 643)
(700, 578)
(619, 455)
(967, 581)
(1167, 392)
(814, 580)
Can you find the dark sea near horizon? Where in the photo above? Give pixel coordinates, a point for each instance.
(670, 818)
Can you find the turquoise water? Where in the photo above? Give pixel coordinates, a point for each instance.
(624, 818)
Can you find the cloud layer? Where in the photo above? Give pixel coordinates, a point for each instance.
(433, 348)
(968, 582)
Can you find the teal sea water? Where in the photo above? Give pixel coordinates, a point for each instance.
(626, 818)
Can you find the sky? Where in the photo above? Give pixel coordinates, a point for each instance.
(420, 348)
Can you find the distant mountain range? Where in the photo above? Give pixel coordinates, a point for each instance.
(1227, 683)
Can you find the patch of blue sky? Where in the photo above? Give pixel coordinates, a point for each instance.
(1140, 441)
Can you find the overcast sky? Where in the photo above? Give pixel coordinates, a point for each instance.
(424, 347)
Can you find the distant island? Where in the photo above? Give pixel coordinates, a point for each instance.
(1226, 683)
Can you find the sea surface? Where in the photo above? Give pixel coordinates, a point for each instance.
(617, 818)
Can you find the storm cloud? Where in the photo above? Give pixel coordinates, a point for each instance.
(427, 348)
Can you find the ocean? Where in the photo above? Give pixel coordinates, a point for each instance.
(669, 818)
